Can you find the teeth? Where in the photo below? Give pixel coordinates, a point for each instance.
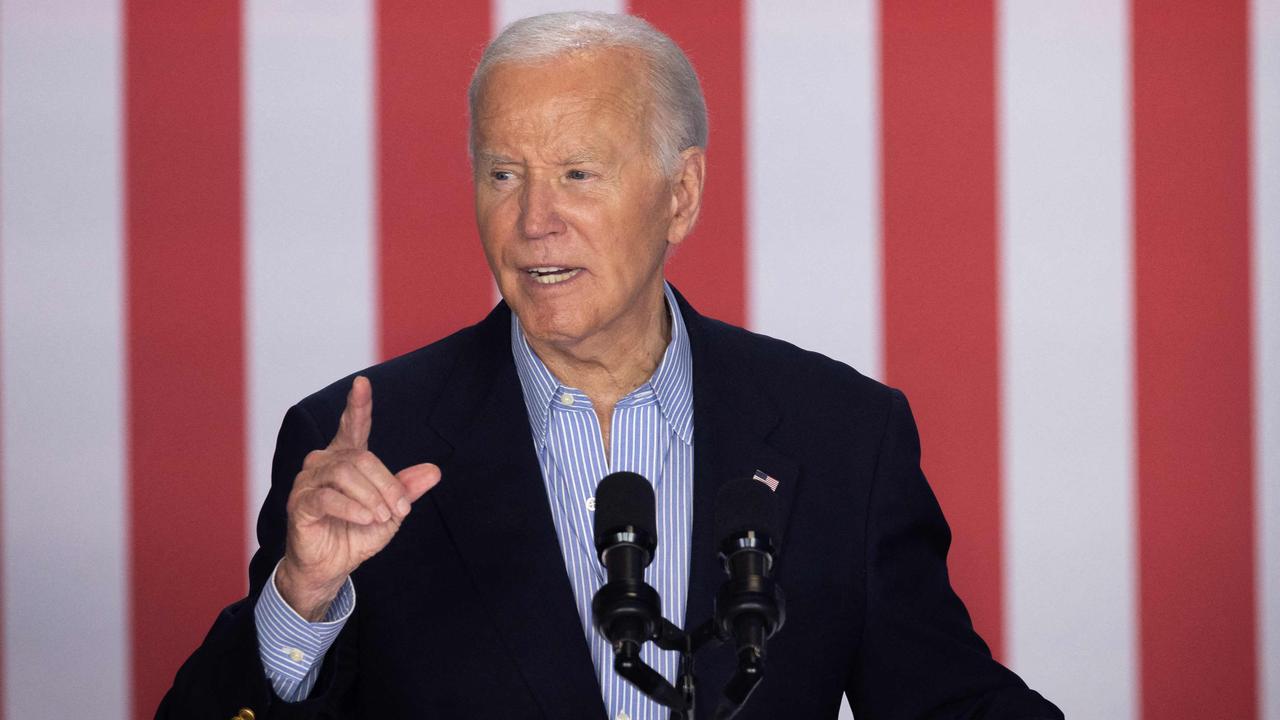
(551, 275)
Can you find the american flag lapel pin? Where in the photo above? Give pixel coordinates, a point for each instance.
(767, 479)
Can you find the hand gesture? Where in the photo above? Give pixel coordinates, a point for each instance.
(345, 506)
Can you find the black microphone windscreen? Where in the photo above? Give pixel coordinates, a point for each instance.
(744, 504)
(622, 499)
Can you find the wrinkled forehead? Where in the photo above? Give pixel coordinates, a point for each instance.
(582, 90)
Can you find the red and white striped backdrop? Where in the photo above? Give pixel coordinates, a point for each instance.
(1056, 225)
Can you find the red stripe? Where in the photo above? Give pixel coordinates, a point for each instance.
(940, 265)
(432, 275)
(1194, 392)
(710, 266)
(185, 350)
(2, 489)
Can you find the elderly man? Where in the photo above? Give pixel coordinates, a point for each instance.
(372, 597)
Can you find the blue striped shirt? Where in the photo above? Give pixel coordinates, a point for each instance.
(652, 435)
(290, 647)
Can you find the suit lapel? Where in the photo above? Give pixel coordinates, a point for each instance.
(732, 422)
(495, 507)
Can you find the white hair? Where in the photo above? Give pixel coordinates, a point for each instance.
(679, 116)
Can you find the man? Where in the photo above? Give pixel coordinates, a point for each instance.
(372, 597)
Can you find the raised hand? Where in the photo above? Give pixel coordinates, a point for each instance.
(345, 506)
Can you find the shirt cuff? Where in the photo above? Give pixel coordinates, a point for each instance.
(291, 648)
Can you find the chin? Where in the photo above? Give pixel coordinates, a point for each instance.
(548, 325)
(563, 334)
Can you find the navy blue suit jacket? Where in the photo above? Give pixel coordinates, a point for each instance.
(469, 613)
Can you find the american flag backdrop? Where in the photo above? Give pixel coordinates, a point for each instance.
(1054, 225)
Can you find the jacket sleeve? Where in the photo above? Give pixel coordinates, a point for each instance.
(920, 656)
(225, 673)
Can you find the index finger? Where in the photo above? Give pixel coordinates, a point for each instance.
(357, 417)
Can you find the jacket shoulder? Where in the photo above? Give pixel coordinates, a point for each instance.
(787, 373)
(412, 381)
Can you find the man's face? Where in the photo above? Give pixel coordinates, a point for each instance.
(574, 213)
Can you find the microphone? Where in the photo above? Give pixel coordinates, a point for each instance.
(749, 607)
(626, 610)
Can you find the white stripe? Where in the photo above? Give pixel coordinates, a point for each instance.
(813, 184)
(309, 209)
(1067, 395)
(813, 188)
(508, 11)
(1265, 44)
(62, 359)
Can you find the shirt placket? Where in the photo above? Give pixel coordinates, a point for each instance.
(573, 411)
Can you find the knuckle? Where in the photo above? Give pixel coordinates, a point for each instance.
(394, 490)
(351, 481)
(322, 476)
(328, 499)
(302, 500)
(306, 478)
(343, 470)
(373, 469)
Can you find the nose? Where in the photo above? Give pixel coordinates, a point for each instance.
(539, 209)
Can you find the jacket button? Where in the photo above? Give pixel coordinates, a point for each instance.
(244, 714)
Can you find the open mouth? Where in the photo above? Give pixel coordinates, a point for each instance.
(552, 275)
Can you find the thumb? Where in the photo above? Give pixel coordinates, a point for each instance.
(357, 417)
(418, 479)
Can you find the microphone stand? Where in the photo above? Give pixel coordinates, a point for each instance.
(681, 700)
(648, 681)
(749, 673)
(630, 609)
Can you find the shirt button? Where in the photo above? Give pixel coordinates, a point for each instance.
(294, 654)
(622, 715)
(591, 504)
(566, 399)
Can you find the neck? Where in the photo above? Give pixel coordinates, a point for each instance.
(608, 368)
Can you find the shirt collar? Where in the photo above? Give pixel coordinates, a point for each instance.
(672, 381)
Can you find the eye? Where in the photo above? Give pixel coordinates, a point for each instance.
(502, 175)
(578, 175)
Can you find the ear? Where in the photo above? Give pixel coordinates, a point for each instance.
(686, 194)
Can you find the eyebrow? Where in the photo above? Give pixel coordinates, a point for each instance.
(488, 158)
(580, 155)
(574, 157)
